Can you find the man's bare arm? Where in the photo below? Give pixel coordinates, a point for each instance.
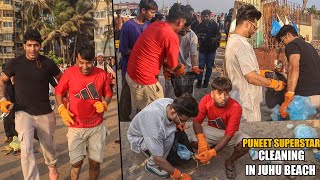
(3, 82)
(293, 72)
(257, 79)
(194, 60)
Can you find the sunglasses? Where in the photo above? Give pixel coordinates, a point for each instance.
(255, 26)
(281, 42)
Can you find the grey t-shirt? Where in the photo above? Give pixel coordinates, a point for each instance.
(152, 126)
(188, 47)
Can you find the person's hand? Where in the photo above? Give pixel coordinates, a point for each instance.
(66, 115)
(182, 126)
(206, 156)
(265, 72)
(4, 105)
(179, 175)
(202, 143)
(277, 85)
(284, 106)
(180, 69)
(100, 106)
(196, 69)
(166, 74)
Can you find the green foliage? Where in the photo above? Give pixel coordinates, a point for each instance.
(54, 57)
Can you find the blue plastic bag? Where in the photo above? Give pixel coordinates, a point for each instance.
(301, 108)
(183, 152)
(295, 26)
(276, 113)
(304, 131)
(275, 27)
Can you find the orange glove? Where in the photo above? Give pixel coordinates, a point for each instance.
(206, 156)
(284, 106)
(180, 69)
(202, 143)
(196, 70)
(166, 74)
(182, 126)
(264, 72)
(4, 105)
(179, 175)
(100, 106)
(276, 85)
(66, 115)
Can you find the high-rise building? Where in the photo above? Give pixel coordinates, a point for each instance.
(103, 33)
(10, 29)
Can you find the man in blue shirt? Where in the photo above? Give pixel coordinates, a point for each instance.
(129, 34)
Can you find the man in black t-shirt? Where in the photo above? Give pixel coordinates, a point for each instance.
(304, 68)
(31, 73)
(209, 40)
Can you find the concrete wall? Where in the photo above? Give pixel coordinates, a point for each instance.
(306, 32)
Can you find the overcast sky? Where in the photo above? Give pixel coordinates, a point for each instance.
(214, 5)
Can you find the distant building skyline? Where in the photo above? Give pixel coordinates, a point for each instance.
(214, 5)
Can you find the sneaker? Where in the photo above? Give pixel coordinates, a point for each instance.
(205, 85)
(53, 173)
(157, 171)
(198, 85)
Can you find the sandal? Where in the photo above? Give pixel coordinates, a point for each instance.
(231, 172)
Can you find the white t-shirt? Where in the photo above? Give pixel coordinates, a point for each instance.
(152, 126)
(241, 60)
(188, 47)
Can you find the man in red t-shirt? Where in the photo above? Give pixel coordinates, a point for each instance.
(159, 42)
(86, 85)
(224, 114)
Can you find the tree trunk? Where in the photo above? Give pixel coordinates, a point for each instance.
(74, 48)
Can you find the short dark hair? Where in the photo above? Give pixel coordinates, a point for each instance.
(85, 50)
(176, 12)
(221, 84)
(118, 11)
(185, 105)
(206, 12)
(32, 35)
(157, 17)
(286, 29)
(148, 4)
(247, 12)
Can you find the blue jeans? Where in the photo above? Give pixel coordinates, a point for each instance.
(206, 60)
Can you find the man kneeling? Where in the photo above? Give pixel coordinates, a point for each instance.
(152, 131)
(224, 114)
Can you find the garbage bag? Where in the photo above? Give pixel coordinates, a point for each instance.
(273, 97)
(275, 27)
(276, 113)
(295, 26)
(15, 144)
(301, 108)
(183, 152)
(304, 131)
(183, 84)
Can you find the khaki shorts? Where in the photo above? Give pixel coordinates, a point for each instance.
(86, 140)
(214, 135)
(143, 95)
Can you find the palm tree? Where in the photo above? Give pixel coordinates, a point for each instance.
(68, 21)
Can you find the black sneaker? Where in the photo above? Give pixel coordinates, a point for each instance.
(198, 85)
(205, 85)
